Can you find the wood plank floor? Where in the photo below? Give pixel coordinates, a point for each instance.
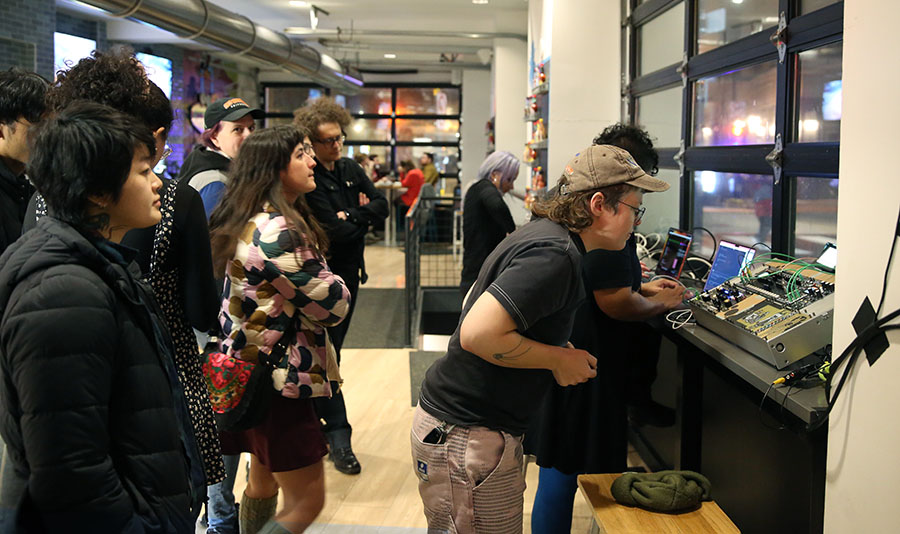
(384, 498)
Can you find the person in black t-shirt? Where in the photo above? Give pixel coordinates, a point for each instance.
(583, 429)
(346, 203)
(486, 217)
(512, 343)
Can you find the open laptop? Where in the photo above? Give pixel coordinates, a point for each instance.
(828, 258)
(674, 252)
(730, 259)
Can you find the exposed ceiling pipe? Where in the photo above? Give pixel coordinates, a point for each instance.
(207, 23)
(302, 32)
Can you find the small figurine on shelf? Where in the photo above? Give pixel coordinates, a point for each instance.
(540, 131)
(529, 154)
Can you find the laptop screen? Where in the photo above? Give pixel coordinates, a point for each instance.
(828, 257)
(730, 259)
(671, 259)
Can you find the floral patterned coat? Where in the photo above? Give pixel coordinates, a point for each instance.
(268, 284)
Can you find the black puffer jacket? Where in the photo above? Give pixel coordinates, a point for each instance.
(86, 407)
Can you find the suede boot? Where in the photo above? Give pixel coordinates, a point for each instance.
(272, 527)
(254, 513)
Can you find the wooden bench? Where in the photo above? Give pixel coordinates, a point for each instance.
(611, 517)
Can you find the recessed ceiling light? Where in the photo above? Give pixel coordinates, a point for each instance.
(298, 3)
(390, 56)
(479, 1)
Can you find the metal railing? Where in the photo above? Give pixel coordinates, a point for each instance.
(433, 252)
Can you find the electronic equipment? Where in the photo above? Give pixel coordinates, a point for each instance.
(780, 312)
(674, 253)
(729, 260)
(828, 258)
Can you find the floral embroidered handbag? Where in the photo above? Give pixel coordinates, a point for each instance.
(240, 391)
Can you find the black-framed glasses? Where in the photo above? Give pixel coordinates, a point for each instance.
(308, 150)
(638, 212)
(331, 140)
(167, 151)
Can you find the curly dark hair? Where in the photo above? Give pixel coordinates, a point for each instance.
(321, 111)
(21, 95)
(635, 140)
(86, 149)
(115, 79)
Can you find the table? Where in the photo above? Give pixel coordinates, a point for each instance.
(391, 191)
(613, 518)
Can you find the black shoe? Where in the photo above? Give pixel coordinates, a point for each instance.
(651, 413)
(345, 461)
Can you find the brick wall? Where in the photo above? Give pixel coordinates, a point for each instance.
(26, 35)
(88, 29)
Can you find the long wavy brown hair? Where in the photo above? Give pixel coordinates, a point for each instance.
(255, 180)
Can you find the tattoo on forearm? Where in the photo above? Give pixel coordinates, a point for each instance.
(511, 354)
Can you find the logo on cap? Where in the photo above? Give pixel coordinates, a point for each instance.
(235, 102)
(569, 169)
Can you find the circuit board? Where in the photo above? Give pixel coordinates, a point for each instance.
(778, 313)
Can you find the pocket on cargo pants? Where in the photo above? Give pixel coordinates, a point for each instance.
(432, 469)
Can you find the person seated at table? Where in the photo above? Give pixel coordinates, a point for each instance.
(486, 217)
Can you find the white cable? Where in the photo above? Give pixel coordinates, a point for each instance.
(679, 318)
(640, 239)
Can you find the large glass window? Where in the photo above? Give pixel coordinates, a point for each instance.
(818, 117)
(370, 100)
(816, 219)
(662, 208)
(427, 131)
(808, 6)
(735, 207)
(720, 22)
(369, 130)
(736, 108)
(661, 40)
(427, 101)
(660, 114)
(446, 158)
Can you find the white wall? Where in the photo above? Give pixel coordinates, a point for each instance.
(864, 432)
(510, 75)
(584, 77)
(476, 111)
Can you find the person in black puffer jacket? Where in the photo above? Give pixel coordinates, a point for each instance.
(90, 404)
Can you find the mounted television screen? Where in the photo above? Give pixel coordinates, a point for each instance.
(69, 49)
(159, 70)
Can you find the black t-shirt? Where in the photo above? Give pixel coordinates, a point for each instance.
(535, 274)
(486, 221)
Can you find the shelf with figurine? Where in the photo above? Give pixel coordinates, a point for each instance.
(489, 132)
(537, 187)
(539, 79)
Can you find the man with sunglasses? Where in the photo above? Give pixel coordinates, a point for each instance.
(346, 203)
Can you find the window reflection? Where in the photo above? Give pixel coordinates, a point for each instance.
(720, 22)
(808, 6)
(278, 121)
(383, 153)
(819, 94)
(661, 41)
(735, 207)
(816, 218)
(660, 114)
(369, 130)
(427, 101)
(427, 131)
(662, 208)
(368, 100)
(736, 108)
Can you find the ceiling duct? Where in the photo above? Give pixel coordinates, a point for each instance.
(204, 22)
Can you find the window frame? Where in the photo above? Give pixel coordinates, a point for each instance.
(803, 32)
(393, 116)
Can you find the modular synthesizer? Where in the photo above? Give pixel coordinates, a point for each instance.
(777, 311)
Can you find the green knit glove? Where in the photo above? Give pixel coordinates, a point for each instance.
(665, 491)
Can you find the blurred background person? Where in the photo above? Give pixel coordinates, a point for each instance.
(486, 217)
(429, 171)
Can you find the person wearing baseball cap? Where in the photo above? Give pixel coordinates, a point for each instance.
(512, 344)
(228, 122)
(584, 428)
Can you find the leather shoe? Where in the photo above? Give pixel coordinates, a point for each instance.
(345, 461)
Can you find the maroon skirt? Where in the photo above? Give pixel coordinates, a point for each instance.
(289, 438)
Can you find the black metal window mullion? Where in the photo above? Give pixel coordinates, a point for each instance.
(686, 212)
(783, 194)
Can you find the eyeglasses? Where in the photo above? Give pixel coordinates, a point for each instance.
(331, 140)
(165, 153)
(638, 212)
(308, 150)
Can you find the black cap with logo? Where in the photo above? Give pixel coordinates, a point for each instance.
(229, 109)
